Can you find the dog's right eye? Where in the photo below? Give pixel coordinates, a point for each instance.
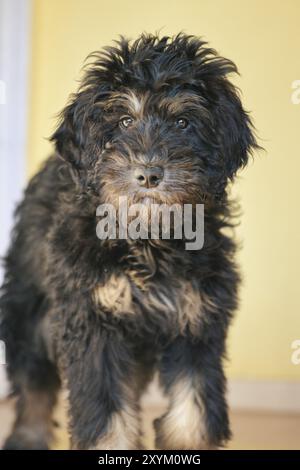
(126, 121)
(182, 123)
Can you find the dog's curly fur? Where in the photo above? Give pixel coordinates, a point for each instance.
(102, 316)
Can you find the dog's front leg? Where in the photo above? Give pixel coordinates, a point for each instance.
(192, 377)
(97, 368)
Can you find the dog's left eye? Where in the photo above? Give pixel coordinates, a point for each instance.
(182, 123)
(126, 122)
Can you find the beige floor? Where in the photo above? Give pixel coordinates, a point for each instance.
(251, 430)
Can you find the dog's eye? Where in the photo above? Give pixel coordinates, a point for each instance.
(182, 123)
(126, 122)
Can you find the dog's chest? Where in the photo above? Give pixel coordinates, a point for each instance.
(152, 288)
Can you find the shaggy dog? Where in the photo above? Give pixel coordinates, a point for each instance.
(155, 119)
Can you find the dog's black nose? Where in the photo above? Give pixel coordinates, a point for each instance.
(149, 177)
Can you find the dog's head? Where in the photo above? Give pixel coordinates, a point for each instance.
(157, 119)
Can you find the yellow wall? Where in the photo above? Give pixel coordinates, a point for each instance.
(262, 37)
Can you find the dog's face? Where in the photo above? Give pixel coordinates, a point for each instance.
(156, 151)
(157, 121)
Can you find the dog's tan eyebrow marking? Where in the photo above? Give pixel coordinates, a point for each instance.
(134, 103)
(181, 102)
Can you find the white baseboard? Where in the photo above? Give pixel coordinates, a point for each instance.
(264, 395)
(4, 384)
(242, 394)
(267, 396)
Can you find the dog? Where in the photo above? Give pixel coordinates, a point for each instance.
(155, 119)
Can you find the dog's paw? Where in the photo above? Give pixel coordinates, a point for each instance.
(178, 438)
(21, 441)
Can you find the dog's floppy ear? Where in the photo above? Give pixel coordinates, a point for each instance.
(71, 135)
(234, 129)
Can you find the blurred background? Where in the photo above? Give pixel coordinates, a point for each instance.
(43, 44)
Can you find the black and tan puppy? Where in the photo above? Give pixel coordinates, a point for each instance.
(159, 117)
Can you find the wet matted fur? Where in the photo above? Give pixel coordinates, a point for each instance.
(102, 316)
